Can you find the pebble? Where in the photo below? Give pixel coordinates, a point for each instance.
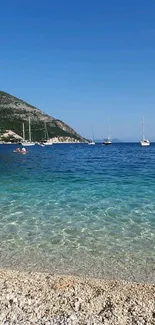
(77, 305)
(44, 299)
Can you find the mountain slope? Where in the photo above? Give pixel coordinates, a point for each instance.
(14, 111)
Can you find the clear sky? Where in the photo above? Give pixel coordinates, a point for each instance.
(82, 60)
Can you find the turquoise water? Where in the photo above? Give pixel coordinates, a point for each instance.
(79, 209)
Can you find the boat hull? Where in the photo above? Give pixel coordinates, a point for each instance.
(48, 143)
(41, 145)
(106, 143)
(145, 143)
(27, 144)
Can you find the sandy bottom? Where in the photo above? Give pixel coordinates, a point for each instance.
(42, 298)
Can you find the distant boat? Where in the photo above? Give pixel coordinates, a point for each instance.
(108, 140)
(144, 142)
(92, 142)
(25, 142)
(40, 144)
(47, 142)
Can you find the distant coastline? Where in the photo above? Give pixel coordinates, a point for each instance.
(114, 140)
(15, 139)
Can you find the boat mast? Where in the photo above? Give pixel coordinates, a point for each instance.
(92, 134)
(23, 132)
(29, 129)
(109, 136)
(46, 132)
(143, 129)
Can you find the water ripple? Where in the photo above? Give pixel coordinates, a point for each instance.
(79, 209)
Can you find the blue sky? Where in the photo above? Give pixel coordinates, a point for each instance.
(83, 60)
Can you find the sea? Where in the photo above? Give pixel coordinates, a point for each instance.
(80, 210)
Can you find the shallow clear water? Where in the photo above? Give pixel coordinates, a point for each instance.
(79, 209)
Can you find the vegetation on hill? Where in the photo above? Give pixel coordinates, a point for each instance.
(14, 112)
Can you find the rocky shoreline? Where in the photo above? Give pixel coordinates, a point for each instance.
(46, 299)
(65, 140)
(16, 139)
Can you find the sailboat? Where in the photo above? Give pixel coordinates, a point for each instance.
(108, 140)
(144, 142)
(92, 142)
(25, 142)
(47, 142)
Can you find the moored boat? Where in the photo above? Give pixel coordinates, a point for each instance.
(144, 142)
(26, 143)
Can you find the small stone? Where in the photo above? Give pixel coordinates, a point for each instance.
(77, 306)
(11, 301)
(73, 317)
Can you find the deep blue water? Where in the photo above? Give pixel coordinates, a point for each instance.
(79, 209)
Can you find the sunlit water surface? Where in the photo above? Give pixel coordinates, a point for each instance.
(79, 209)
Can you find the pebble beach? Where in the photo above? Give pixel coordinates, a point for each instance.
(46, 299)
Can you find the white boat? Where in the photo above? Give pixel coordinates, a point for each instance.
(41, 144)
(108, 140)
(26, 143)
(92, 142)
(47, 142)
(144, 142)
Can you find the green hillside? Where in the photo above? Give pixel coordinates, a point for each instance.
(14, 111)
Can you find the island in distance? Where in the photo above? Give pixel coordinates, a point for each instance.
(112, 140)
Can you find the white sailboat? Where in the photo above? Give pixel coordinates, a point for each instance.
(92, 142)
(144, 142)
(25, 142)
(47, 142)
(108, 140)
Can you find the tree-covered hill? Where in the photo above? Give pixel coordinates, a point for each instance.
(14, 112)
